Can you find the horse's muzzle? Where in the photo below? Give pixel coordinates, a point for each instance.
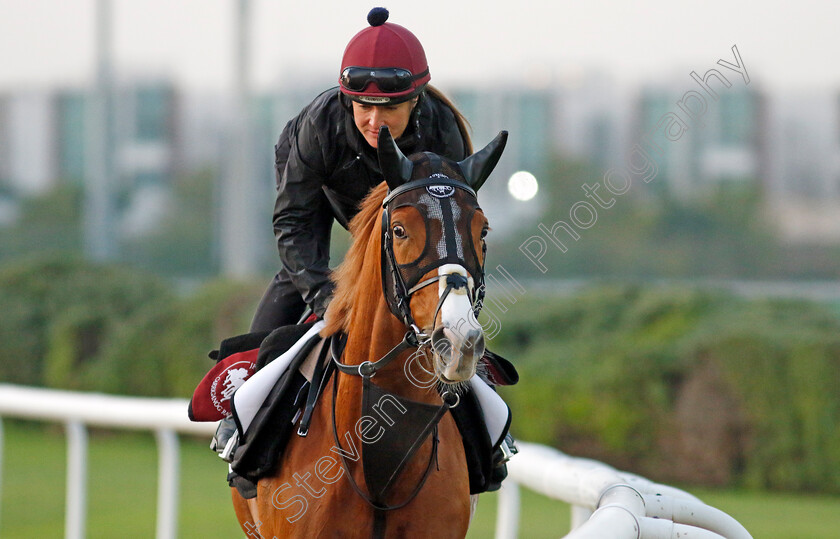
(457, 353)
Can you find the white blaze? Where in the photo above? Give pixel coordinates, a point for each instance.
(457, 318)
(456, 311)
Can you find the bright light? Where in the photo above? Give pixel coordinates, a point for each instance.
(523, 185)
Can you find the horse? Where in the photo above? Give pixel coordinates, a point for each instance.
(357, 473)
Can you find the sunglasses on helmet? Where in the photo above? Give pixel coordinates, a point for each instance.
(388, 80)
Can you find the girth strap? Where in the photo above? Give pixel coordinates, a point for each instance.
(319, 379)
(378, 531)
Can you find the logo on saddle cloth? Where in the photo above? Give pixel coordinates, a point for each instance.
(211, 400)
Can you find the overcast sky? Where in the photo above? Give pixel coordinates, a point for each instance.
(783, 44)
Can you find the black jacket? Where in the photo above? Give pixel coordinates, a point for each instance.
(325, 168)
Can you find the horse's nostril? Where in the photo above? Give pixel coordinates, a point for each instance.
(445, 343)
(440, 342)
(474, 337)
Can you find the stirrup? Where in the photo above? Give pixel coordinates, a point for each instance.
(224, 432)
(227, 453)
(507, 449)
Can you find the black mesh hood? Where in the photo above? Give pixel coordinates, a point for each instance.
(447, 204)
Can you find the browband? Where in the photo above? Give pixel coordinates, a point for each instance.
(423, 182)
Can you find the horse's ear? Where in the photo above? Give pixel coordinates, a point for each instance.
(395, 166)
(478, 166)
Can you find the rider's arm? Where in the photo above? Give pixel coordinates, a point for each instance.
(302, 217)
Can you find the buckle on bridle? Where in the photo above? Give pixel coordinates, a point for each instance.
(367, 370)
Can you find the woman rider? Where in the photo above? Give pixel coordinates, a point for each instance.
(326, 158)
(326, 161)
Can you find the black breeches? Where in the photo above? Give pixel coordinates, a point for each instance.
(281, 305)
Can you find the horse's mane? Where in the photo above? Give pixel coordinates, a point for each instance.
(364, 228)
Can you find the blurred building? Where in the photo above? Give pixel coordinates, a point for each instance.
(592, 119)
(147, 151)
(803, 167)
(787, 146)
(528, 116)
(27, 142)
(71, 108)
(44, 140)
(723, 143)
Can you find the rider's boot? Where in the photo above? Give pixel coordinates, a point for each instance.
(506, 450)
(226, 439)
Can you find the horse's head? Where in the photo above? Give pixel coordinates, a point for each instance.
(433, 234)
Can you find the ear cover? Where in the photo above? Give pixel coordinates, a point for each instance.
(395, 166)
(478, 166)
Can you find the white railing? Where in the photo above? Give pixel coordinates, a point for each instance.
(605, 503)
(164, 417)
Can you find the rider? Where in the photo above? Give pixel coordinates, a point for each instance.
(326, 161)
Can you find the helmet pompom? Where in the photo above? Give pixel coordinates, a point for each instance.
(377, 16)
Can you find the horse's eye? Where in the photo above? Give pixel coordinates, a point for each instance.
(399, 231)
(484, 232)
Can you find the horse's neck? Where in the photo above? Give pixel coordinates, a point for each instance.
(370, 339)
(372, 331)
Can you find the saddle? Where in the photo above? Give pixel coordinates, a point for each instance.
(291, 367)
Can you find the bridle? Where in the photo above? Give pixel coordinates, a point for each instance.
(401, 282)
(398, 289)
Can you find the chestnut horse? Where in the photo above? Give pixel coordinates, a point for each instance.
(423, 228)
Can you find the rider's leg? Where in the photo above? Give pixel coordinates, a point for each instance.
(281, 305)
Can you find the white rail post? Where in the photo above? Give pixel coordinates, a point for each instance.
(507, 512)
(1, 473)
(167, 502)
(76, 502)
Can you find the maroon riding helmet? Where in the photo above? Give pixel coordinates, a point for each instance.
(384, 64)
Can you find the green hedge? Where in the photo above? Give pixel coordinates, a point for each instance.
(164, 351)
(71, 324)
(682, 385)
(61, 310)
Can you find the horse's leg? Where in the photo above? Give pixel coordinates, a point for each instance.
(246, 512)
(252, 507)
